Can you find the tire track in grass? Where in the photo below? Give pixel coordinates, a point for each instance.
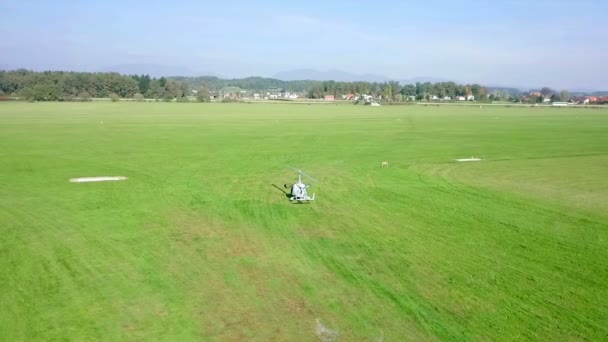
(45, 275)
(473, 216)
(336, 262)
(52, 241)
(536, 264)
(254, 211)
(82, 259)
(411, 215)
(255, 271)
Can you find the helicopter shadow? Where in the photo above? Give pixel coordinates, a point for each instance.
(287, 194)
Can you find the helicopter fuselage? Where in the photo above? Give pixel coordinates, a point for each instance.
(299, 193)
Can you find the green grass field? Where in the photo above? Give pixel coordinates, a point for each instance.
(199, 244)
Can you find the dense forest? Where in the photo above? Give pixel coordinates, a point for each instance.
(65, 86)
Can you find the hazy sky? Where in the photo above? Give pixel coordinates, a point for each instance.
(563, 44)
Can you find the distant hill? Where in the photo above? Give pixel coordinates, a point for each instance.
(344, 76)
(154, 70)
(509, 90)
(589, 93)
(334, 75)
(424, 80)
(582, 90)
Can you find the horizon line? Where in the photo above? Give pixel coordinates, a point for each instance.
(387, 79)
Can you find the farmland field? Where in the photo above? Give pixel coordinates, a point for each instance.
(201, 242)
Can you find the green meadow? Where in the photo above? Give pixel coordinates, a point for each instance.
(202, 243)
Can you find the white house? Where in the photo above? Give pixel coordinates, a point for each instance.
(461, 98)
(363, 98)
(447, 98)
(470, 98)
(434, 97)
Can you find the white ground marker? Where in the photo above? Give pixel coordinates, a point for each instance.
(472, 159)
(97, 179)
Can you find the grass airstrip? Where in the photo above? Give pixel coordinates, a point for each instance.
(200, 241)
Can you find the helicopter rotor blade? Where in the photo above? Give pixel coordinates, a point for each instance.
(302, 173)
(293, 168)
(309, 177)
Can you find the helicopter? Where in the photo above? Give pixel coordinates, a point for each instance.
(298, 190)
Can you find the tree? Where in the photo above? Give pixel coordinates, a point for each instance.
(422, 90)
(185, 90)
(395, 88)
(143, 83)
(203, 94)
(480, 93)
(387, 92)
(564, 96)
(138, 97)
(125, 86)
(546, 91)
(114, 97)
(155, 91)
(408, 90)
(173, 89)
(555, 98)
(534, 99)
(84, 96)
(42, 92)
(497, 95)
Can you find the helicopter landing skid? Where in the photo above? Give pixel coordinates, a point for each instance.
(302, 199)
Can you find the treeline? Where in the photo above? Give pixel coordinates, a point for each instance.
(394, 91)
(256, 84)
(59, 85)
(318, 89)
